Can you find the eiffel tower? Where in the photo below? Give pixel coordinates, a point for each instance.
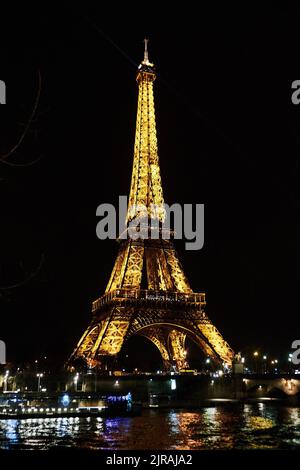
(167, 311)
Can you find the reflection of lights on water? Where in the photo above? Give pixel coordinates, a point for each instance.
(212, 427)
(173, 417)
(210, 412)
(294, 416)
(99, 425)
(260, 423)
(247, 408)
(11, 431)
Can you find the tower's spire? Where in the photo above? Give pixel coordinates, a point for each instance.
(146, 58)
(146, 61)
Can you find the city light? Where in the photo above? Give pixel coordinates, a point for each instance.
(5, 380)
(255, 353)
(65, 400)
(39, 376)
(76, 378)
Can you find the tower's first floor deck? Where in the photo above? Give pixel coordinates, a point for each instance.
(150, 296)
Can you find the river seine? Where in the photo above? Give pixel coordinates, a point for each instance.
(264, 425)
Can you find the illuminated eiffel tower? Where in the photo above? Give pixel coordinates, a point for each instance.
(167, 311)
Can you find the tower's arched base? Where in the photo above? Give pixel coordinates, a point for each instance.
(165, 326)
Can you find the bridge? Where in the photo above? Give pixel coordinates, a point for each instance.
(266, 384)
(196, 388)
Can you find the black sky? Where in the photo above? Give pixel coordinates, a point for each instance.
(228, 137)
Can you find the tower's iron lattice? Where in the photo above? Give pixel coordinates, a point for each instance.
(167, 311)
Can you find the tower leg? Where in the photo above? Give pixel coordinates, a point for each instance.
(159, 338)
(103, 340)
(177, 352)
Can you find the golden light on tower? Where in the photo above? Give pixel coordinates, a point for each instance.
(167, 310)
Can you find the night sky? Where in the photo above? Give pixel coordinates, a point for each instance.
(229, 137)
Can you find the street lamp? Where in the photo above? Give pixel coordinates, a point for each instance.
(265, 357)
(255, 354)
(207, 362)
(39, 376)
(290, 359)
(76, 378)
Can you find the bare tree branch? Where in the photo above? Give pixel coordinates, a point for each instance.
(32, 275)
(4, 158)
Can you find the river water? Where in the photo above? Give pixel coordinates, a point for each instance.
(263, 425)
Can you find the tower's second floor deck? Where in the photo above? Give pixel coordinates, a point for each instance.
(149, 296)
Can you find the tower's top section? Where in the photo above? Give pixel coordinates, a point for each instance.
(146, 66)
(146, 57)
(146, 195)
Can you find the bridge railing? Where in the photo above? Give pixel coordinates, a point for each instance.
(149, 295)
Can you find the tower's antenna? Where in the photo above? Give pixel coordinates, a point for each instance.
(146, 58)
